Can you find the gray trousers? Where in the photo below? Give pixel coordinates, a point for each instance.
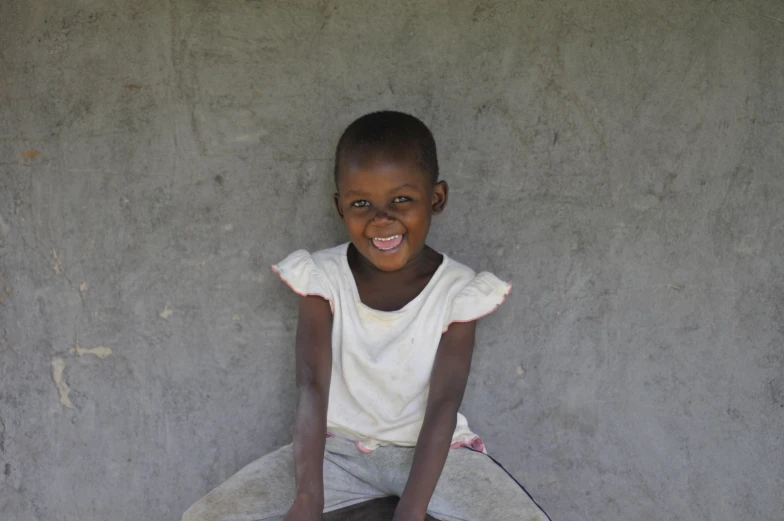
(472, 487)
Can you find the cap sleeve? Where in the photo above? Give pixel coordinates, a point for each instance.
(302, 275)
(478, 298)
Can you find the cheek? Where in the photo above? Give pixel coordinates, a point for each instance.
(354, 224)
(416, 219)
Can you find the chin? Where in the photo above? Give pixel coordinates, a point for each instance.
(385, 263)
(387, 260)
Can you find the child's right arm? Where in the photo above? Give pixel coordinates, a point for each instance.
(314, 368)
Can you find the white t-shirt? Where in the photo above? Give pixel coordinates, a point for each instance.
(382, 360)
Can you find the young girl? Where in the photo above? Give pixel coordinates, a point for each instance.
(383, 351)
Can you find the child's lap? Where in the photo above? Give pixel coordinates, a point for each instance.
(471, 486)
(265, 489)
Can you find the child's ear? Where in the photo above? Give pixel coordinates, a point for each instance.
(336, 198)
(440, 196)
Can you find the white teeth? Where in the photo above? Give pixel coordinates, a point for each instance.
(386, 238)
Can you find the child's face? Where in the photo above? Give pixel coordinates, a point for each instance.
(386, 204)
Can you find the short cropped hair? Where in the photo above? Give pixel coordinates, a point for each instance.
(390, 130)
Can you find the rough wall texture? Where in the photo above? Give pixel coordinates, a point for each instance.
(619, 161)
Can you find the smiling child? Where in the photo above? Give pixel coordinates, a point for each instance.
(383, 352)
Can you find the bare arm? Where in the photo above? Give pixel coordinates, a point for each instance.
(313, 351)
(447, 386)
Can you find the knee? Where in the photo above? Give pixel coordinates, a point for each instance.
(189, 516)
(197, 512)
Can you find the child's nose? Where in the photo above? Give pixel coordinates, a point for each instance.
(381, 216)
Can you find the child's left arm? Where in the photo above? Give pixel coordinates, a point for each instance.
(447, 385)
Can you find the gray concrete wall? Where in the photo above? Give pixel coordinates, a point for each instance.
(621, 162)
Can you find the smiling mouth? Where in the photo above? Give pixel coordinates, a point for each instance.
(387, 243)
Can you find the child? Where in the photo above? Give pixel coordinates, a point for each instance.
(383, 351)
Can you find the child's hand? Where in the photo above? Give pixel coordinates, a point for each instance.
(304, 509)
(407, 516)
(404, 513)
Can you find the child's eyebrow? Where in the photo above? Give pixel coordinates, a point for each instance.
(362, 194)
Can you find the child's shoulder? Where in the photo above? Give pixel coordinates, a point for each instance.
(313, 273)
(457, 270)
(484, 280)
(477, 294)
(330, 257)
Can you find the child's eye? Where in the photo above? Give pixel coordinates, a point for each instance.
(360, 204)
(401, 199)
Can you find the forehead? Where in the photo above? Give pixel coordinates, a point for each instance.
(374, 170)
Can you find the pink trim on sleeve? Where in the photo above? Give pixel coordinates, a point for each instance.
(331, 304)
(483, 315)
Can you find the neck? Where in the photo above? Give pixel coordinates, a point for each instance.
(416, 265)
